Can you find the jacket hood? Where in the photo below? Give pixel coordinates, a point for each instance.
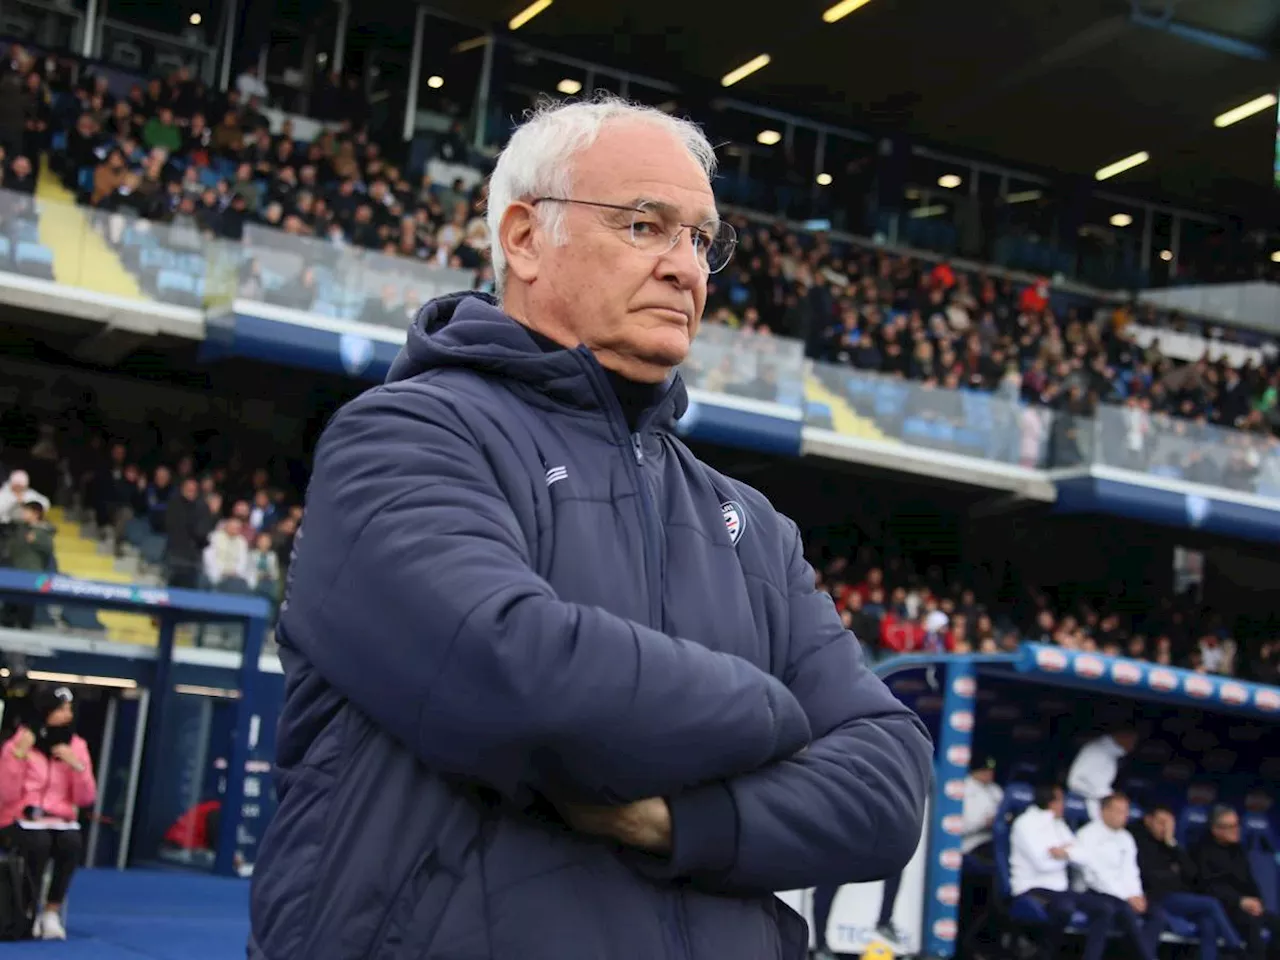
(470, 331)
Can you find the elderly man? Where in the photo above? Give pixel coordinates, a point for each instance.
(1224, 873)
(555, 687)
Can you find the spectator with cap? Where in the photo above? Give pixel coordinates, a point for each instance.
(45, 778)
(1094, 770)
(15, 494)
(1224, 872)
(1169, 884)
(30, 547)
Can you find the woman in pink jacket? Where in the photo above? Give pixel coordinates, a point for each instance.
(45, 777)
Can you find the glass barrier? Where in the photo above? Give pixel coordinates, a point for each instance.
(340, 282)
(176, 264)
(111, 253)
(873, 406)
(1129, 438)
(752, 366)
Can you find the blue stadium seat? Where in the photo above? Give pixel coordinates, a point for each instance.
(82, 618)
(1077, 811)
(6, 250)
(1193, 819)
(152, 549)
(136, 531)
(1262, 862)
(1258, 832)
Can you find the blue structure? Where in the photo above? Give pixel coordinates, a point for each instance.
(1031, 709)
(158, 674)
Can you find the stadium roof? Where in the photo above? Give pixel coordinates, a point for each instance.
(1054, 85)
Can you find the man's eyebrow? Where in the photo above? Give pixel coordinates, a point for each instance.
(672, 212)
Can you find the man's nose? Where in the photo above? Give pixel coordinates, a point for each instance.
(682, 263)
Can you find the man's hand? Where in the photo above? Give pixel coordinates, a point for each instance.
(1252, 906)
(1139, 904)
(68, 756)
(645, 824)
(1059, 853)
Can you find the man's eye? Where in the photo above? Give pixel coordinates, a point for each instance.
(648, 228)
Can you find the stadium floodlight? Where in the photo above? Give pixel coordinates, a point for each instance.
(1121, 220)
(1275, 257)
(527, 14)
(824, 179)
(1120, 166)
(1236, 114)
(194, 19)
(949, 181)
(1024, 196)
(569, 87)
(744, 71)
(1166, 255)
(768, 137)
(435, 82)
(842, 10)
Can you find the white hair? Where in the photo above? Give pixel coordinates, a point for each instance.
(538, 159)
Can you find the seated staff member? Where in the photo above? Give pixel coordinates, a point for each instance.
(1108, 857)
(1041, 847)
(1169, 882)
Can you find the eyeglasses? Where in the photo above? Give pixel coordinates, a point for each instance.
(654, 229)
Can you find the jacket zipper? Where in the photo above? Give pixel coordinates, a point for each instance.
(648, 510)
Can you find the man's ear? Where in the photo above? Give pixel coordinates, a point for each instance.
(521, 240)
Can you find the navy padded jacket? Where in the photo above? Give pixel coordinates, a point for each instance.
(501, 596)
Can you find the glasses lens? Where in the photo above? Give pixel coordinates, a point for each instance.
(720, 251)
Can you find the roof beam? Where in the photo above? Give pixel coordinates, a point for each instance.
(1198, 35)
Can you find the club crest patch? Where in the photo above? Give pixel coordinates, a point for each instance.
(735, 520)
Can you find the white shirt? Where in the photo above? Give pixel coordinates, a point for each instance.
(226, 556)
(1109, 859)
(981, 801)
(1093, 772)
(1031, 866)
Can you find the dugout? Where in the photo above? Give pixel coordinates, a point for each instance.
(1206, 739)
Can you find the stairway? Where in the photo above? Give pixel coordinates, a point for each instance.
(81, 257)
(844, 420)
(82, 556)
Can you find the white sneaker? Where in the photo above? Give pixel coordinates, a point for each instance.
(37, 928)
(51, 927)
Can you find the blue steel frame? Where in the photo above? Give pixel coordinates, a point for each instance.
(170, 607)
(1054, 667)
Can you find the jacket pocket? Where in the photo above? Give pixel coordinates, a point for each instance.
(793, 931)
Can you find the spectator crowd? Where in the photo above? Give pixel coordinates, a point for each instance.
(893, 608)
(175, 151)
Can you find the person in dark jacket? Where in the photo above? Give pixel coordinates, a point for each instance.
(188, 522)
(30, 547)
(1223, 871)
(1169, 884)
(556, 688)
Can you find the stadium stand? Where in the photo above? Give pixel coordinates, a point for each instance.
(167, 192)
(183, 212)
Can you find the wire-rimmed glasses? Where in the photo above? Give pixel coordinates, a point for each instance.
(654, 228)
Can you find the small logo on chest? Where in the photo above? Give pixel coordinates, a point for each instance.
(556, 474)
(735, 520)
